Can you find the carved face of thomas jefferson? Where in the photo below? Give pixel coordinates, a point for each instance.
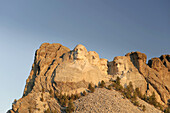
(80, 52)
(94, 58)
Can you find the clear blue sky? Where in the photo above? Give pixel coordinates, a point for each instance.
(109, 27)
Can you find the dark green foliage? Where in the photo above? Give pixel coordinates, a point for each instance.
(130, 87)
(56, 94)
(43, 90)
(42, 99)
(47, 111)
(65, 103)
(30, 110)
(84, 93)
(68, 97)
(61, 102)
(119, 88)
(118, 81)
(152, 99)
(76, 96)
(55, 111)
(160, 106)
(60, 96)
(136, 103)
(145, 98)
(168, 103)
(64, 96)
(128, 95)
(91, 88)
(72, 97)
(113, 84)
(167, 110)
(109, 87)
(51, 93)
(70, 107)
(138, 92)
(15, 100)
(134, 96)
(102, 84)
(144, 108)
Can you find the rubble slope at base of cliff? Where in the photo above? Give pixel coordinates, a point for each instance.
(109, 101)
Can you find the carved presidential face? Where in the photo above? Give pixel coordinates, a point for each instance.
(104, 67)
(119, 65)
(80, 52)
(94, 58)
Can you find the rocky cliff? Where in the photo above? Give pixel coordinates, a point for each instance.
(151, 77)
(57, 69)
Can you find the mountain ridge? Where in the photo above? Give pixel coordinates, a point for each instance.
(57, 69)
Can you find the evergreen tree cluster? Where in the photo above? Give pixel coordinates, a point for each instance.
(129, 92)
(132, 94)
(91, 88)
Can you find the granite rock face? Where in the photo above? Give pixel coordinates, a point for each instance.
(60, 69)
(122, 67)
(153, 77)
(56, 68)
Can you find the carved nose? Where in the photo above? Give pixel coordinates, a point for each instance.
(78, 51)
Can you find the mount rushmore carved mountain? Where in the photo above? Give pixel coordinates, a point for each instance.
(59, 70)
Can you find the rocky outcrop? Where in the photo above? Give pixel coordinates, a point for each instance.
(166, 61)
(122, 67)
(162, 69)
(153, 77)
(59, 69)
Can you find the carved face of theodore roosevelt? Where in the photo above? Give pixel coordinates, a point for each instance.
(80, 52)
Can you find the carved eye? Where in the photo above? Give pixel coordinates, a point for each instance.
(81, 49)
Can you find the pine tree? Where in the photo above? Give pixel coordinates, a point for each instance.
(152, 99)
(84, 93)
(43, 90)
(65, 103)
(139, 94)
(70, 107)
(118, 81)
(15, 100)
(102, 84)
(47, 111)
(145, 98)
(109, 87)
(72, 97)
(91, 88)
(131, 87)
(144, 108)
